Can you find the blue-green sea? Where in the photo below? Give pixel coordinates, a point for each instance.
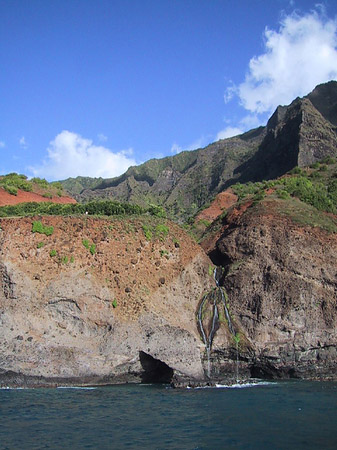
(284, 415)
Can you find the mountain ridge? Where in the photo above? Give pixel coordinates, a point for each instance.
(297, 134)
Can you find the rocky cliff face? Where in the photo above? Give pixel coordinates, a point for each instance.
(296, 135)
(122, 312)
(280, 279)
(111, 301)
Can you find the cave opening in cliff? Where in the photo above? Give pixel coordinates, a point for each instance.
(155, 371)
(222, 261)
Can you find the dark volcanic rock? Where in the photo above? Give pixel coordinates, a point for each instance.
(281, 281)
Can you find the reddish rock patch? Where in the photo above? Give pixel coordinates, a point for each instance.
(222, 201)
(23, 196)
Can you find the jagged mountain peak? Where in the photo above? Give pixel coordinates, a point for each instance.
(324, 99)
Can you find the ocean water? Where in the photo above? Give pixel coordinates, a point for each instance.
(286, 415)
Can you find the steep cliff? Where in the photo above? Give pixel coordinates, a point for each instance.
(98, 301)
(280, 282)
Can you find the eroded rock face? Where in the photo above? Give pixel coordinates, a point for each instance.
(281, 282)
(104, 316)
(132, 309)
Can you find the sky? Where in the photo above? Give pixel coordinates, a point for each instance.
(90, 87)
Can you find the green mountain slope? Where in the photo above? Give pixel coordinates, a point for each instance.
(296, 135)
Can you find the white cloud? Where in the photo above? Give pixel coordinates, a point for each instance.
(198, 143)
(297, 57)
(176, 148)
(246, 123)
(23, 143)
(2, 144)
(228, 132)
(102, 137)
(70, 155)
(230, 92)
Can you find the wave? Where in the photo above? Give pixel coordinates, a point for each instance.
(87, 388)
(235, 385)
(13, 388)
(243, 385)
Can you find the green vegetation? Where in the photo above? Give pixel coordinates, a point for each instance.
(57, 185)
(38, 227)
(321, 195)
(296, 171)
(147, 232)
(76, 185)
(91, 247)
(304, 214)
(210, 270)
(110, 208)
(114, 303)
(316, 186)
(53, 253)
(157, 211)
(11, 189)
(260, 195)
(64, 259)
(204, 222)
(281, 193)
(329, 160)
(100, 208)
(158, 231)
(85, 242)
(150, 170)
(13, 181)
(40, 244)
(161, 231)
(237, 338)
(251, 189)
(40, 182)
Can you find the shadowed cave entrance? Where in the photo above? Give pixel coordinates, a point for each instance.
(155, 371)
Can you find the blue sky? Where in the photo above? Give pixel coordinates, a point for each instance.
(89, 87)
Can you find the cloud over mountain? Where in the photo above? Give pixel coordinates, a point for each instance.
(70, 155)
(297, 57)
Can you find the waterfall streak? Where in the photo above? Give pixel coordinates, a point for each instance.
(215, 318)
(228, 317)
(209, 340)
(200, 321)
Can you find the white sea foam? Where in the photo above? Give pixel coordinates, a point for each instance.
(86, 388)
(243, 385)
(13, 388)
(234, 386)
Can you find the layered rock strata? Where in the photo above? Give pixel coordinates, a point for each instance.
(99, 301)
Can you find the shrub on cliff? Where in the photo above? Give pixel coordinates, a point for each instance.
(13, 181)
(315, 194)
(38, 227)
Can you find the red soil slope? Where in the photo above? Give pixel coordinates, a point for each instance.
(222, 201)
(23, 196)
